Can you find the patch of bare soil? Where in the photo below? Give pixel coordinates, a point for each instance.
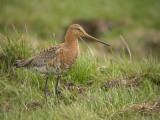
(144, 108)
(135, 81)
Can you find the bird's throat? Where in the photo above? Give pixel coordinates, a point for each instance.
(71, 41)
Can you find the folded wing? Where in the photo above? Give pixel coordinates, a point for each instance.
(41, 59)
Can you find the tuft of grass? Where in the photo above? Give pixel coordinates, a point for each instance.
(13, 46)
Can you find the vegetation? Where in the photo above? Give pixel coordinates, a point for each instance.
(103, 85)
(139, 20)
(94, 89)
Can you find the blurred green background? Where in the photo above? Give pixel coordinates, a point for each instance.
(137, 21)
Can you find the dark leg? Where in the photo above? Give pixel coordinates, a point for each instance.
(56, 87)
(45, 88)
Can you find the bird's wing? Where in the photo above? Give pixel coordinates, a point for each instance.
(41, 59)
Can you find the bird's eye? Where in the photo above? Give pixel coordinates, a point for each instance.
(78, 29)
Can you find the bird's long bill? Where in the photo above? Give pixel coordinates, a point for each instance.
(90, 37)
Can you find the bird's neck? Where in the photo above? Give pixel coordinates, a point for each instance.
(71, 41)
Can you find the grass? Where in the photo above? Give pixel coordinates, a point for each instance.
(96, 88)
(112, 88)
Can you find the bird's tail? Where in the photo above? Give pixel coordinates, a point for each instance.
(19, 64)
(23, 63)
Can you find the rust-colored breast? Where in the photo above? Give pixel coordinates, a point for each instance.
(65, 59)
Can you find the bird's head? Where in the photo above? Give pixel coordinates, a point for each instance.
(78, 31)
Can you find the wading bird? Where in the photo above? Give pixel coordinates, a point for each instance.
(58, 59)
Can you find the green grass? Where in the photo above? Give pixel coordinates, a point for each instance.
(89, 97)
(97, 88)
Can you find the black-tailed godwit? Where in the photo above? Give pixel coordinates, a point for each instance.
(58, 59)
